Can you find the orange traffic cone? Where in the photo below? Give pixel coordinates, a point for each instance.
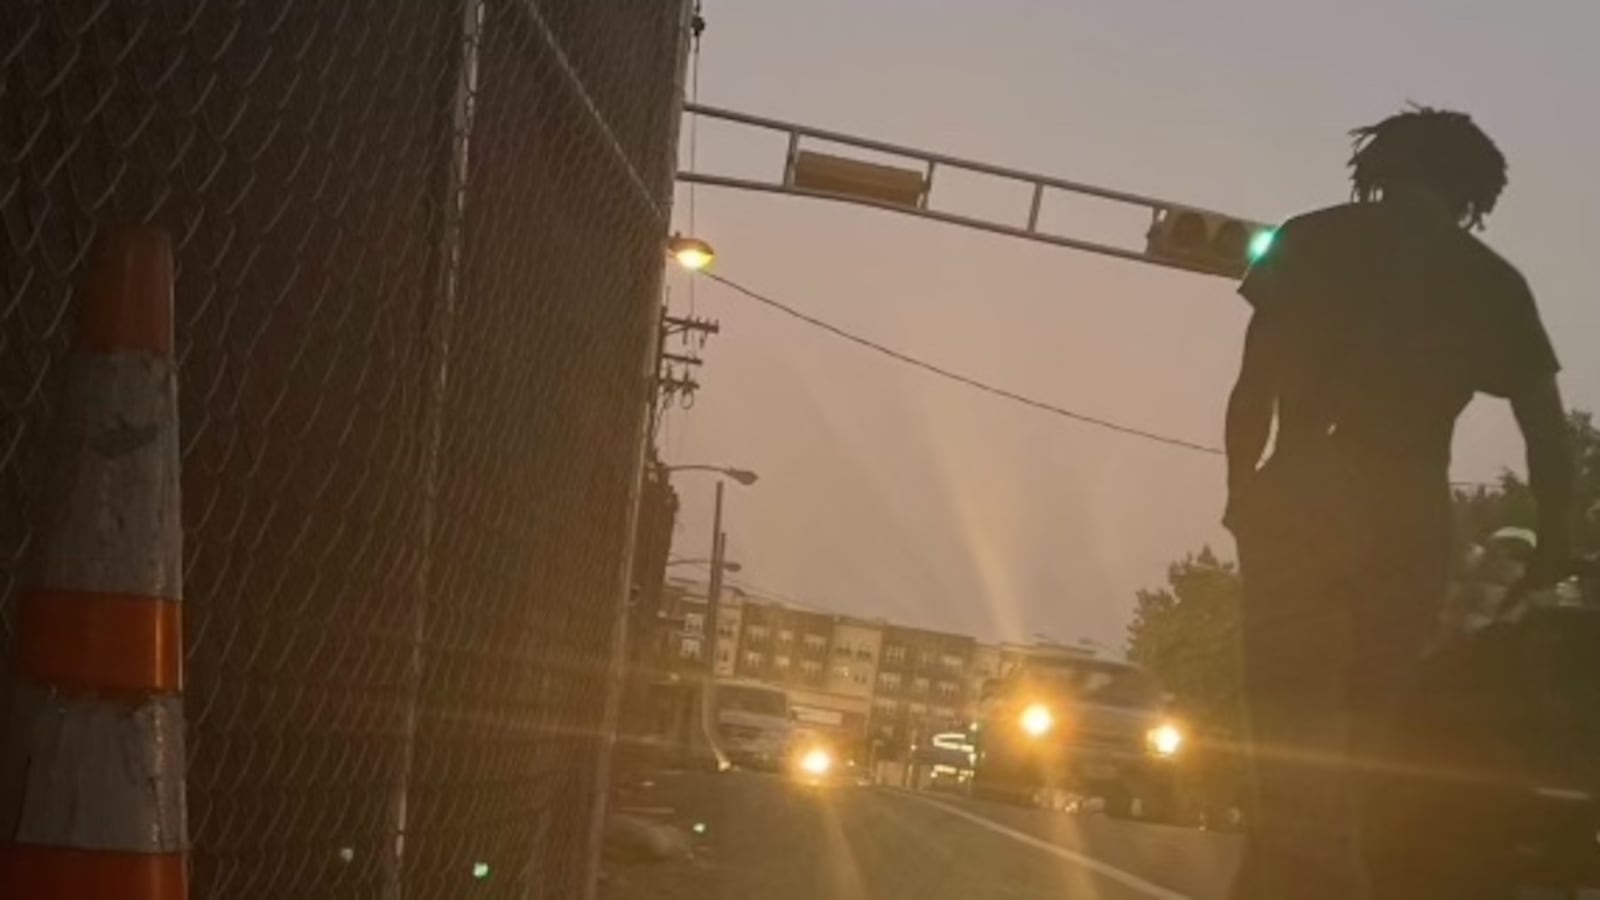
(92, 776)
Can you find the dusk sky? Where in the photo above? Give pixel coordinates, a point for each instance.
(886, 491)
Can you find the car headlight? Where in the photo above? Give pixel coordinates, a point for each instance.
(1037, 720)
(1164, 740)
(816, 762)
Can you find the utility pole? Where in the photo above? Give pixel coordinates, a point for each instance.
(673, 378)
(714, 588)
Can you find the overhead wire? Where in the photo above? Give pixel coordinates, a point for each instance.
(986, 387)
(951, 375)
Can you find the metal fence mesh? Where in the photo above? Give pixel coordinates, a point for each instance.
(419, 246)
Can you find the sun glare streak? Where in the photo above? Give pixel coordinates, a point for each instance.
(840, 872)
(1432, 770)
(980, 509)
(1076, 881)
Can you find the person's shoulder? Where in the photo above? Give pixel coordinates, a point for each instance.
(1303, 257)
(1328, 221)
(1484, 269)
(1490, 261)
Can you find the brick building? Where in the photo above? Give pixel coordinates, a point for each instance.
(922, 687)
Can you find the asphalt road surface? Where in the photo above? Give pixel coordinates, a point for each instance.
(764, 836)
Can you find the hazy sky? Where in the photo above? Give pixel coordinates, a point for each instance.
(888, 492)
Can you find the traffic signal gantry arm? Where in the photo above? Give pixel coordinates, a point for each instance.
(1179, 236)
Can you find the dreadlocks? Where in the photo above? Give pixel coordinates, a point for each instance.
(1437, 148)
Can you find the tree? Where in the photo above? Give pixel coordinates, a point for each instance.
(1187, 634)
(1480, 511)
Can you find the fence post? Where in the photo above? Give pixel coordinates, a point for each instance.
(92, 776)
(644, 434)
(440, 329)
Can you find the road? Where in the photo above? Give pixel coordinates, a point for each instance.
(764, 836)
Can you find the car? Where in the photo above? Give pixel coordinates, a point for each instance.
(1084, 726)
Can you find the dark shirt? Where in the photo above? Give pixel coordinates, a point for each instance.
(1386, 318)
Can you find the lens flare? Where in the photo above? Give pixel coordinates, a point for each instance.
(1037, 720)
(817, 762)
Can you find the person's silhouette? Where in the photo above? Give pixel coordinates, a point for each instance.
(1373, 325)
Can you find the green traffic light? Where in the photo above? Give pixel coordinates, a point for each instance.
(1261, 242)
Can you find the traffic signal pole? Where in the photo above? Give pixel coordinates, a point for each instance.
(1180, 236)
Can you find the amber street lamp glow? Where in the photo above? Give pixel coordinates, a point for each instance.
(690, 252)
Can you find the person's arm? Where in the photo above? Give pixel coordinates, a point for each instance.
(1543, 419)
(1251, 405)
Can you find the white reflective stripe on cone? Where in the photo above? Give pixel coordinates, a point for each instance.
(94, 774)
(116, 521)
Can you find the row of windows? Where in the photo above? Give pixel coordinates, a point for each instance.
(893, 681)
(897, 653)
(760, 633)
(858, 676)
(755, 660)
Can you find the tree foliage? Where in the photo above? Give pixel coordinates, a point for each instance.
(1480, 511)
(1187, 632)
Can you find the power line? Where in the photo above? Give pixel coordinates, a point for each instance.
(987, 388)
(967, 380)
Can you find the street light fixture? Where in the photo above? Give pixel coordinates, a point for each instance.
(690, 252)
(743, 476)
(727, 565)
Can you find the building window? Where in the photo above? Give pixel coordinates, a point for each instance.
(863, 653)
(925, 658)
(841, 650)
(725, 630)
(694, 623)
(889, 681)
(945, 713)
(810, 667)
(816, 642)
(757, 633)
(786, 636)
(723, 655)
(689, 648)
(752, 659)
(919, 685)
(842, 671)
(951, 662)
(887, 707)
(781, 662)
(918, 710)
(894, 653)
(859, 678)
(948, 689)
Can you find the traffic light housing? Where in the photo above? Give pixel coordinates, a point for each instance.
(1207, 242)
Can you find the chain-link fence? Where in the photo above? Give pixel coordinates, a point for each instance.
(419, 247)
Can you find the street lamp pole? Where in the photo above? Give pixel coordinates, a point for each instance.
(714, 588)
(719, 547)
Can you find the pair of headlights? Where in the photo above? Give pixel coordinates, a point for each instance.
(1037, 720)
